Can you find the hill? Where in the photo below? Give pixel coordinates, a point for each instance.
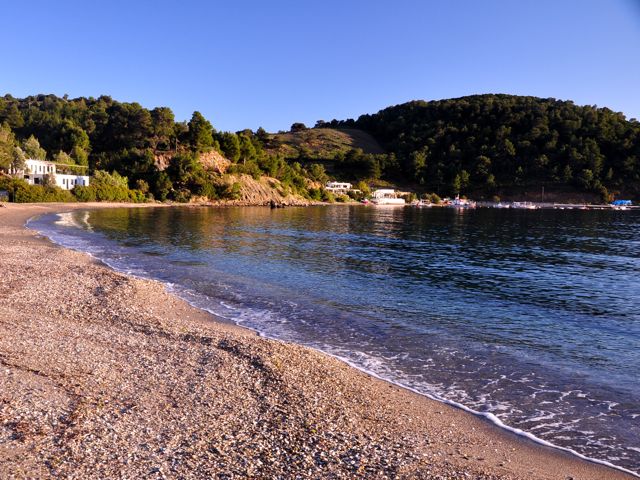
(480, 146)
(126, 146)
(321, 143)
(492, 144)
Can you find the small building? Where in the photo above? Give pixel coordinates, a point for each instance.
(338, 187)
(35, 171)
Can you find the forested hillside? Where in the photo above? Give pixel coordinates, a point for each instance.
(157, 156)
(481, 146)
(492, 143)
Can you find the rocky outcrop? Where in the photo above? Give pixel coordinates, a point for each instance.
(214, 161)
(264, 191)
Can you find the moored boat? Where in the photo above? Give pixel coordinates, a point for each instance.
(386, 196)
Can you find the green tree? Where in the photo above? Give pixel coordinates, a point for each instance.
(230, 145)
(318, 173)
(586, 178)
(182, 168)
(262, 135)
(456, 185)
(200, 133)
(419, 163)
(80, 156)
(163, 127)
(7, 146)
(32, 149)
(74, 137)
(64, 158)
(247, 149)
(18, 162)
(464, 179)
(162, 186)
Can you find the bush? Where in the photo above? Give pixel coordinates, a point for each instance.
(183, 195)
(432, 197)
(84, 194)
(137, 196)
(110, 187)
(315, 194)
(327, 196)
(106, 187)
(410, 197)
(21, 192)
(229, 191)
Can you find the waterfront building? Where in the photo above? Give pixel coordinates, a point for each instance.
(63, 175)
(338, 187)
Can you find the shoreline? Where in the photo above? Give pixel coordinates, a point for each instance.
(391, 430)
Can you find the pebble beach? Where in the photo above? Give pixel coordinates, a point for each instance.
(103, 375)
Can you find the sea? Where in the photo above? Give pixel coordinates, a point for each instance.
(530, 318)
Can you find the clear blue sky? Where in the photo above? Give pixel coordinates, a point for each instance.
(271, 63)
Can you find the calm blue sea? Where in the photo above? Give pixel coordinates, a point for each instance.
(530, 317)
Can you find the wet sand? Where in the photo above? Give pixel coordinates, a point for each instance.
(108, 376)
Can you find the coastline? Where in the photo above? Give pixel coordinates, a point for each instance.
(125, 379)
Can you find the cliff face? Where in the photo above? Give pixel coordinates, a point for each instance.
(214, 161)
(265, 191)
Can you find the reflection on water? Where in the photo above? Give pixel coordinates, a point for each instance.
(529, 315)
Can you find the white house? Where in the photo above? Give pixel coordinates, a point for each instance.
(338, 187)
(35, 171)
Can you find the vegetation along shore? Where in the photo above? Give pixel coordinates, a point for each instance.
(487, 147)
(108, 376)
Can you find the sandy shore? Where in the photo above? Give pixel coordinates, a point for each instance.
(106, 376)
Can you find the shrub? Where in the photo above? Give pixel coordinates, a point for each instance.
(183, 195)
(432, 197)
(315, 194)
(84, 193)
(327, 196)
(110, 187)
(21, 192)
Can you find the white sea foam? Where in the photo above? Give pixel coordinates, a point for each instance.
(494, 419)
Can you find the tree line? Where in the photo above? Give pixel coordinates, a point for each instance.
(478, 145)
(110, 136)
(492, 143)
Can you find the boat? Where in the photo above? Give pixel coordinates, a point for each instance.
(621, 204)
(461, 203)
(386, 196)
(525, 205)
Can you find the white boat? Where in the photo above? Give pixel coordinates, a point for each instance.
(461, 203)
(386, 196)
(525, 205)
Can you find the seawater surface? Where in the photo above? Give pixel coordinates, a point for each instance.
(532, 317)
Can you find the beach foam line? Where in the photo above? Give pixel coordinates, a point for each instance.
(487, 415)
(172, 288)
